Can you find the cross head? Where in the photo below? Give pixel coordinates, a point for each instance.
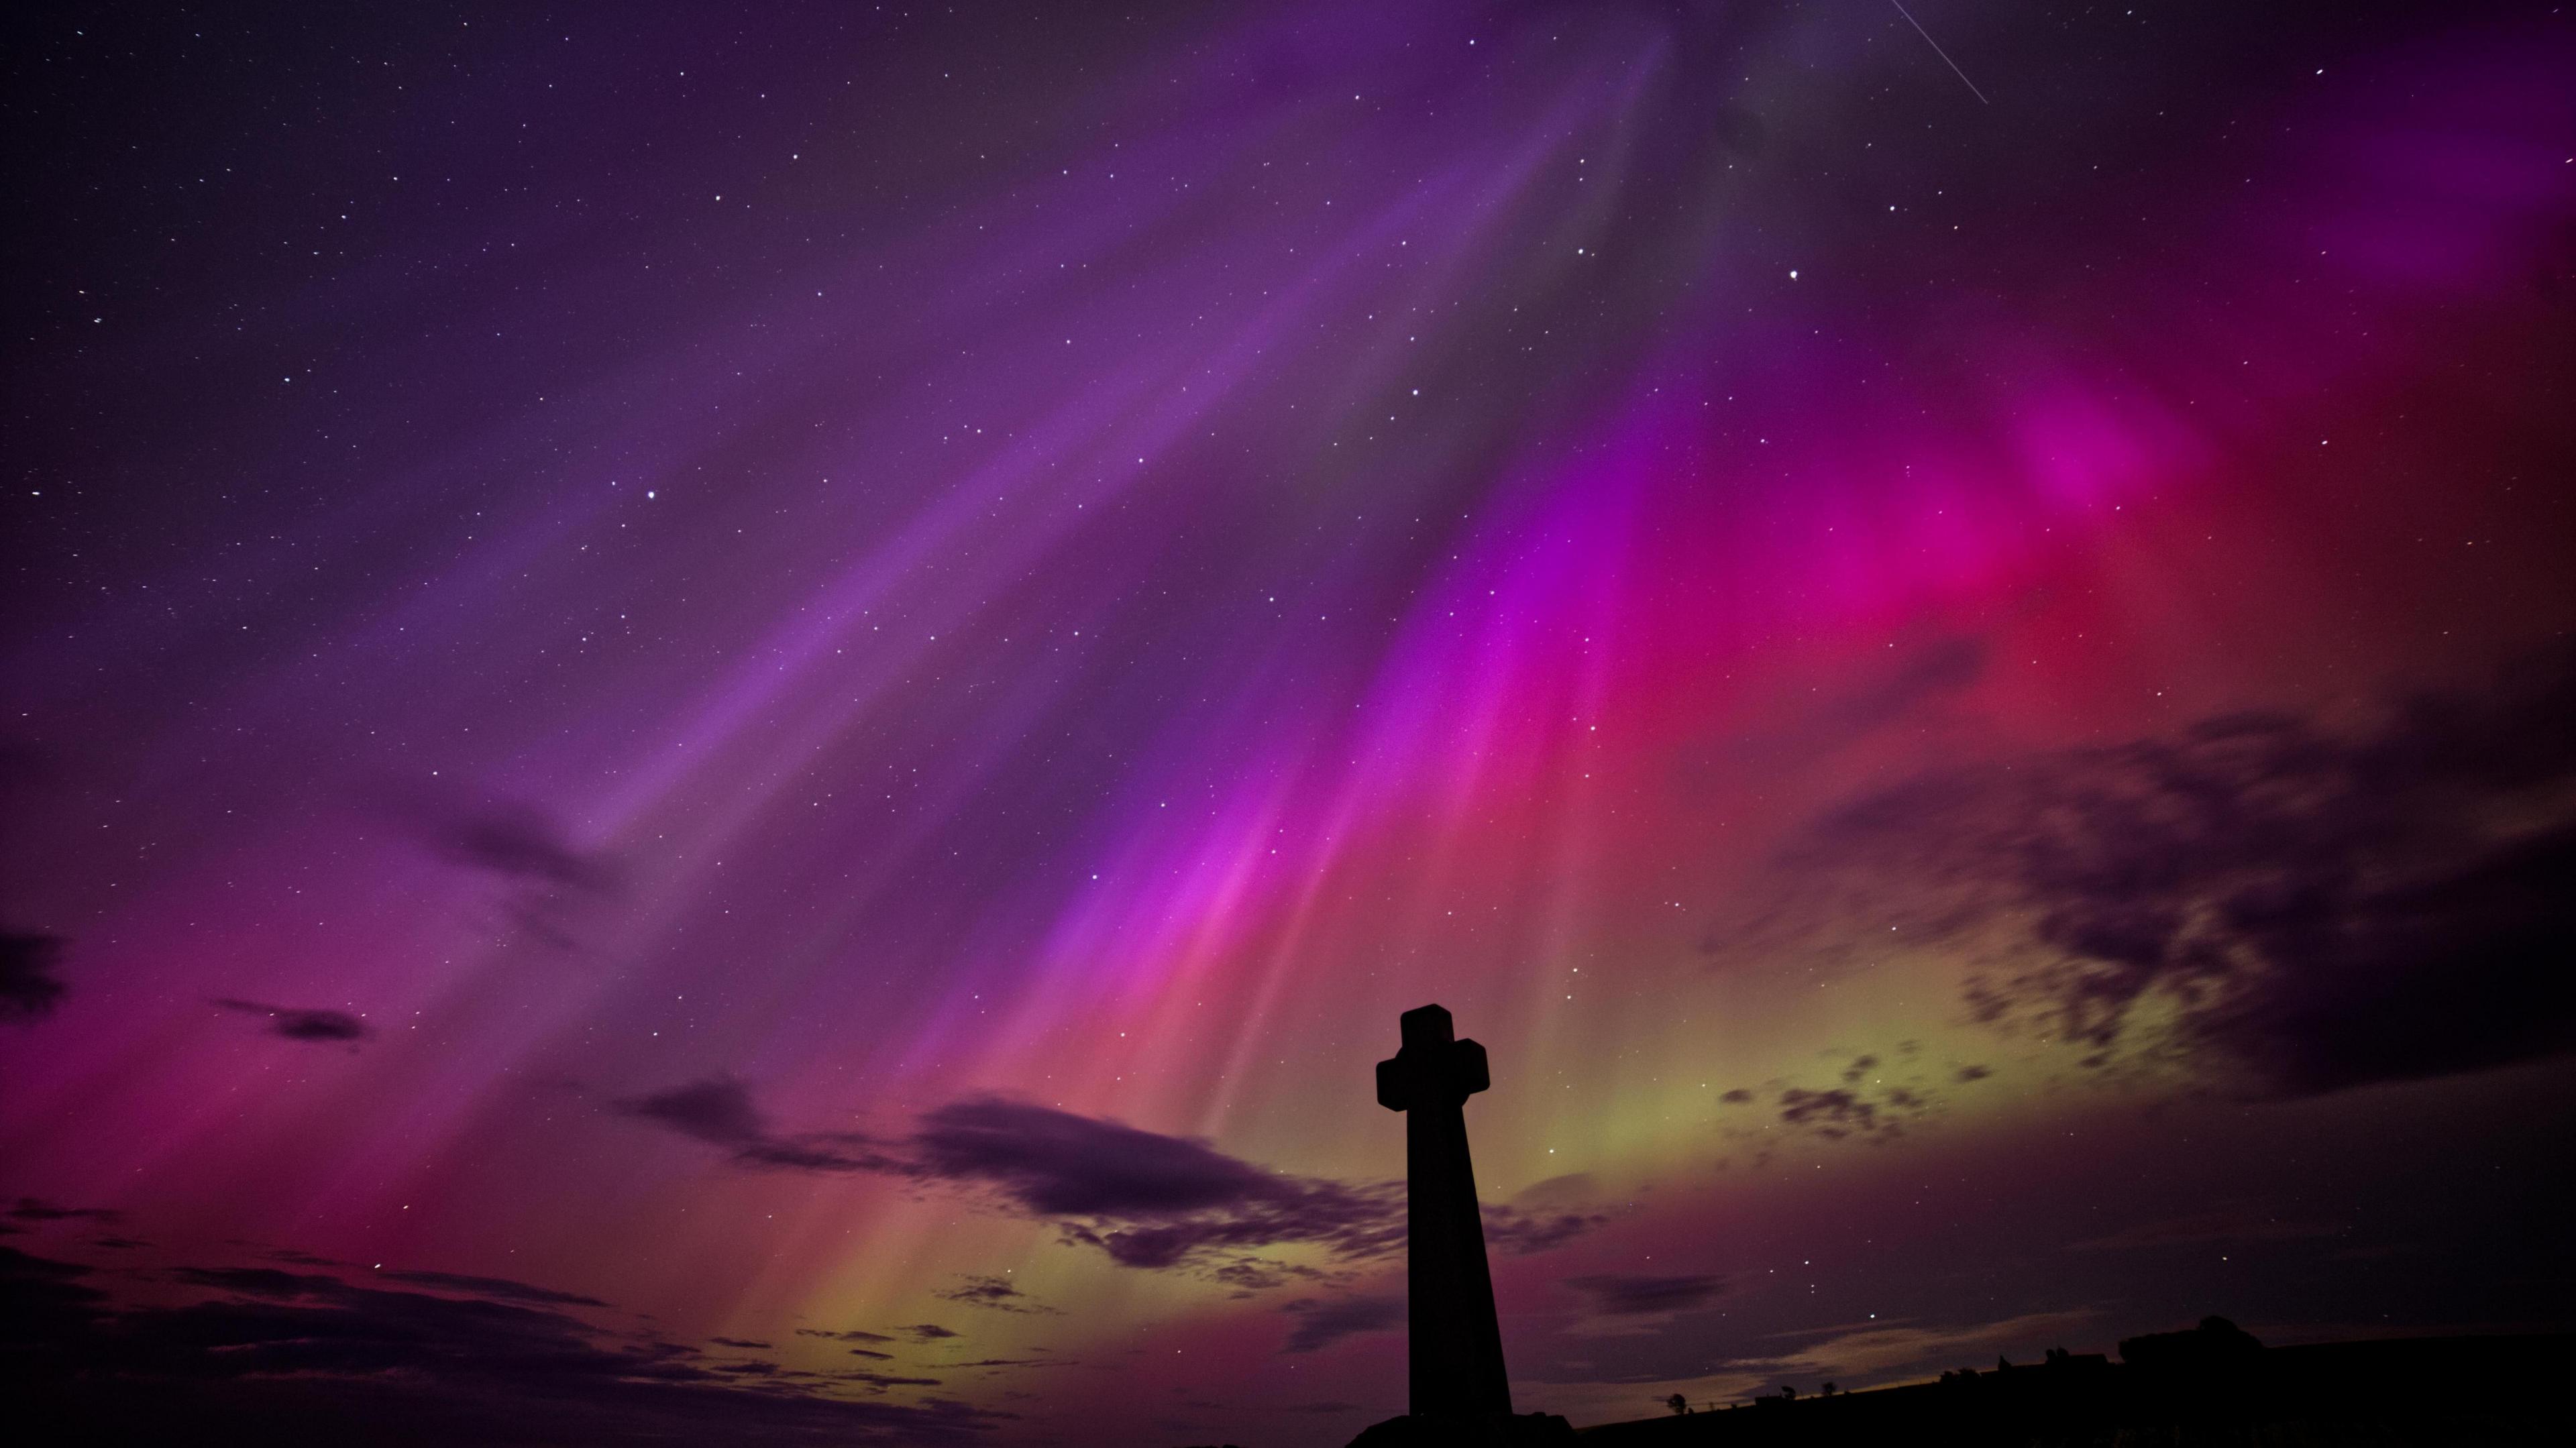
(1434, 1067)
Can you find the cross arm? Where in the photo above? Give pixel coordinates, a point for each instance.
(1422, 1074)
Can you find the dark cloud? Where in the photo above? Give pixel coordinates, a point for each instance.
(853, 1335)
(996, 1293)
(1525, 1233)
(1249, 1274)
(509, 838)
(720, 1111)
(28, 990)
(1323, 1323)
(1145, 1199)
(34, 1209)
(290, 1357)
(318, 1026)
(549, 878)
(1572, 1187)
(1061, 1165)
(1828, 1113)
(1875, 1113)
(1970, 1073)
(1931, 668)
(1618, 1294)
(2312, 907)
(1882, 693)
(928, 1332)
(42, 1303)
(501, 1287)
(1869, 1353)
(740, 1343)
(263, 1281)
(883, 1381)
(518, 841)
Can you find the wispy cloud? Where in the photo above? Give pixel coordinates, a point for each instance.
(720, 1111)
(36, 1209)
(1851, 1354)
(995, 1293)
(1321, 1323)
(342, 1358)
(500, 1287)
(321, 1027)
(1860, 1353)
(1620, 1294)
(1145, 1199)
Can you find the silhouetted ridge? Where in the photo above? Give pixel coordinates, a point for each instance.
(2213, 1384)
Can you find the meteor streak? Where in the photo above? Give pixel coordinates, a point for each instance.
(1937, 50)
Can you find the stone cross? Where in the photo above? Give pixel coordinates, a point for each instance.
(1456, 1344)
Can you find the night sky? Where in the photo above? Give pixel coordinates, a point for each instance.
(744, 723)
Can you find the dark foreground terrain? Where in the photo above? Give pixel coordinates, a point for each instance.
(2181, 1390)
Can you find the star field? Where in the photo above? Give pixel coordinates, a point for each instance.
(775, 704)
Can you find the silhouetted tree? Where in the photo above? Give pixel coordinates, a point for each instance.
(1678, 1404)
(2222, 1330)
(2216, 1341)
(1789, 1391)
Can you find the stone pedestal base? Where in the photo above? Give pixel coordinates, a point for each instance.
(1518, 1430)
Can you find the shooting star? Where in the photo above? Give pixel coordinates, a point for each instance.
(1945, 55)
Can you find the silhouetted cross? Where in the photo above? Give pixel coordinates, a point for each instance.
(1454, 1341)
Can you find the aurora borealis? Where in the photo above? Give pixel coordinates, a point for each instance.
(752, 717)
